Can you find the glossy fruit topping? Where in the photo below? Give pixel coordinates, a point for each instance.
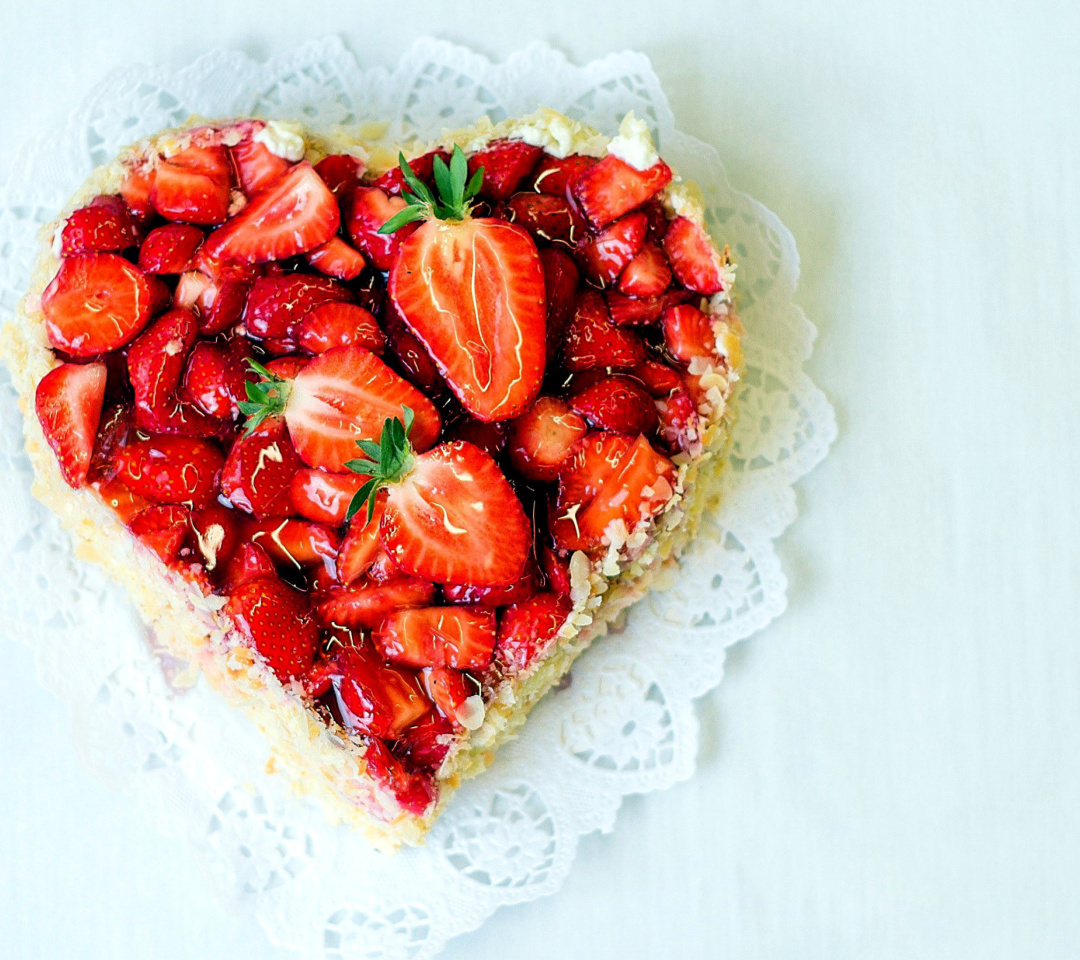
(68, 403)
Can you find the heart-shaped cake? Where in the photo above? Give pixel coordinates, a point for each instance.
(381, 441)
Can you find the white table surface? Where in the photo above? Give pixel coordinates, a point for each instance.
(890, 771)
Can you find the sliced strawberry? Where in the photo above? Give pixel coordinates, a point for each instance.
(96, 303)
(527, 630)
(630, 311)
(256, 166)
(217, 303)
(324, 497)
(361, 545)
(618, 404)
(412, 358)
(258, 474)
(365, 605)
(193, 185)
(506, 163)
(178, 418)
(414, 791)
(658, 378)
(521, 589)
(560, 288)
(249, 562)
(169, 248)
(556, 572)
(214, 379)
(116, 495)
(162, 529)
(611, 188)
(383, 569)
(339, 172)
(606, 255)
(286, 368)
(460, 637)
(647, 275)
(294, 543)
(273, 618)
(171, 469)
(454, 519)
(102, 225)
(555, 174)
(688, 333)
(393, 181)
(369, 208)
(693, 258)
(593, 341)
(472, 292)
(427, 741)
(136, 190)
(608, 480)
(68, 403)
(455, 694)
(547, 218)
(543, 436)
(156, 362)
(275, 305)
(217, 535)
(338, 325)
(337, 259)
(295, 214)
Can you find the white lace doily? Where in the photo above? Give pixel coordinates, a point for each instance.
(626, 722)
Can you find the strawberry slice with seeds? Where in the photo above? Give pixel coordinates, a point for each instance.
(611, 188)
(554, 174)
(592, 340)
(96, 303)
(136, 188)
(693, 259)
(273, 618)
(256, 166)
(647, 275)
(413, 791)
(171, 469)
(156, 362)
(547, 218)
(323, 497)
(543, 437)
(337, 259)
(607, 254)
(618, 404)
(295, 214)
(365, 605)
(105, 224)
(527, 630)
(521, 589)
(361, 545)
(340, 172)
(215, 379)
(631, 311)
(456, 695)
(339, 325)
(505, 164)
(341, 397)
(193, 185)
(293, 543)
(169, 248)
(162, 529)
(258, 473)
(609, 480)
(369, 208)
(460, 637)
(275, 305)
(688, 333)
(68, 402)
(658, 378)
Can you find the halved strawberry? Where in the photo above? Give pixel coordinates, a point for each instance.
(294, 543)
(555, 174)
(338, 325)
(543, 436)
(156, 363)
(647, 275)
(193, 185)
(547, 218)
(527, 630)
(171, 469)
(658, 378)
(505, 163)
(611, 187)
(560, 288)
(414, 791)
(293, 215)
(215, 380)
(136, 190)
(102, 225)
(217, 303)
(618, 404)
(369, 208)
(286, 368)
(455, 694)
(273, 618)
(324, 497)
(366, 604)
(217, 535)
(688, 333)
(248, 562)
(411, 356)
(427, 741)
(179, 418)
(258, 473)
(162, 528)
(521, 589)
(361, 545)
(169, 248)
(68, 403)
(693, 259)
(256, 166)
(606, 255)
(275, 305)
(341, 397)
(632, 311)
(96, 303)
(340, 172)
(459, 637)
(592, 340)
(609, 479)
(392, 181)
(337, 259)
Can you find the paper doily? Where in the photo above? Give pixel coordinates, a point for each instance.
(626, 722)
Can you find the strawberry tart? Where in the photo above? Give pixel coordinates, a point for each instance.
(380, 440)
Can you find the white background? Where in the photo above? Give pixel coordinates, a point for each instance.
(891, 770)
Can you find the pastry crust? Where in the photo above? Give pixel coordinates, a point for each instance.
(321, 762)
